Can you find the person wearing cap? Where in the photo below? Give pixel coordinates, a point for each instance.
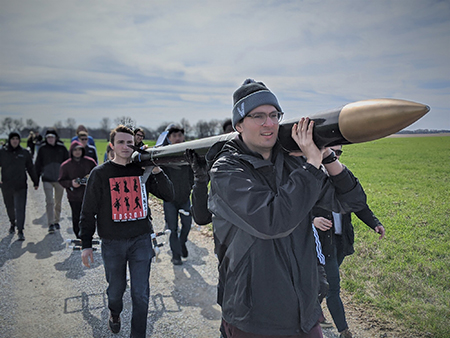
(15, 163)
(73, 175)
(49, 158)
(261, 200)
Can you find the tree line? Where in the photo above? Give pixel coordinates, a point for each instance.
(66, 129)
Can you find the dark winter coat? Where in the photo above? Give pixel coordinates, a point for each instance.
(348, 235)
(72, 169)
(182, 179)
(268, 282)
(15, 163)
(49, 159)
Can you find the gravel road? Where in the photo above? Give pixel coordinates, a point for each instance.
(46, 292)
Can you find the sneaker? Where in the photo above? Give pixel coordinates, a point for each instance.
(12, 229)
(57, 226)
(21, 236)
(325, 324)
(51, 228)
(176, 261)
(184, 252)
(114, 323)
(345, 334)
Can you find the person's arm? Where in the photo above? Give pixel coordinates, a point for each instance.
(92, 198)
(38, 163)
(32, 171)
(367, 216)
(159, 185)
(199, 207)
(91, 141)
(95, 155)
(63, 178)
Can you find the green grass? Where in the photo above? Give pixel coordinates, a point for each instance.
(407, 274)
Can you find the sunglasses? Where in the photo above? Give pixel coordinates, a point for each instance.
(140, 135)
(83, 139)
(338, 152)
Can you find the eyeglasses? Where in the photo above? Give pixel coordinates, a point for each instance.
(261, 118)
(338, 152)
(140, 135)
(83, 139)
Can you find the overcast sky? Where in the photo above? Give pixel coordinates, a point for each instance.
(161, 61)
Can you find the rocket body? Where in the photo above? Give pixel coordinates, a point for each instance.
(356, 122)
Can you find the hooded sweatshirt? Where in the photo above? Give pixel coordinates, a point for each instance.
(72, 169)
(15, 163)
(49, 158)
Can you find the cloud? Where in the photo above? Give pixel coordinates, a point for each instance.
(168, 60)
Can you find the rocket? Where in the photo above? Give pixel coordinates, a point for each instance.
(356, 122)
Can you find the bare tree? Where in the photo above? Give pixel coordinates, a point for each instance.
(162, 127)
(58, 125)
(126, 121)
(7, 125)
(186, 126)
(215, 127)
(202, 129)
(71, 125)
(30, 124)
(18, 124)
(105, 126)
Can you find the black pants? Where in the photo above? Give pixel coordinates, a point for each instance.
(76, 211)
(15, 202)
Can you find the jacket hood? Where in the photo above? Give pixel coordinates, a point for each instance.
(12, 134)
(75, 144)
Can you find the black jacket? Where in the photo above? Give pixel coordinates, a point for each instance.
(182, 179)
(49, 159)
(348, 235)
(268, 281)
(15, 163)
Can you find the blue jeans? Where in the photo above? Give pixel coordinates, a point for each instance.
(138, 253)
(334, 302)
(15, 202)
(171, 217)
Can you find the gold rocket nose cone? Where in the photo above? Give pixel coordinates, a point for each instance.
(369, 120)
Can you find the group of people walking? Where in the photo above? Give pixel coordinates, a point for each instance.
(266, 204)
(55, 166)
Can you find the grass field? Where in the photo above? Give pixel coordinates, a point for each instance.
(407, 274)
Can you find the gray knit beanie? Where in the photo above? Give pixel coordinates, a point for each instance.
(249, 96)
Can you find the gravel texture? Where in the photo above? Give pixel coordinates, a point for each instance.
(46, 292)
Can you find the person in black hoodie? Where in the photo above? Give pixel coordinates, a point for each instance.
(49, 158)
(115, 203)
(73, 175)
(16, 162)
(182, 178)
